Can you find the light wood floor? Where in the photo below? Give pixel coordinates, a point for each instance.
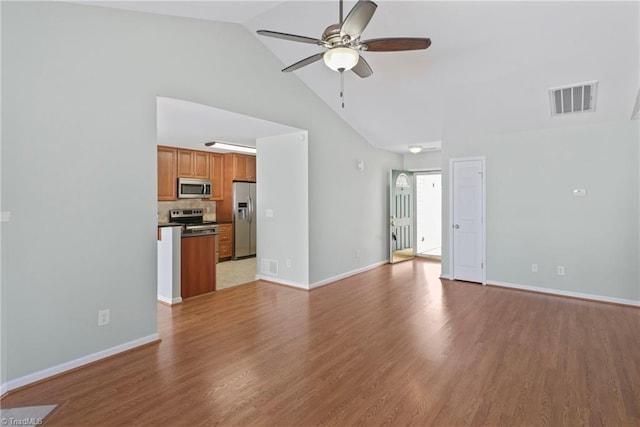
(392, 346)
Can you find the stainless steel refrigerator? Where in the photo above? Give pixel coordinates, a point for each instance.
(244, 219)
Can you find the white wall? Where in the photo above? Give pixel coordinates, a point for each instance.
(283, 190)
(532, 216)
(169, 251)
(429, 160)
(79, 149)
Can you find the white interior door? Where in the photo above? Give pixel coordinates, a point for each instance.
(467, 219)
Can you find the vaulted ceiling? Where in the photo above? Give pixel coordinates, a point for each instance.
(488, 69)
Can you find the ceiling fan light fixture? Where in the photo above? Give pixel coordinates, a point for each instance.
(415, 149)
(341, 58)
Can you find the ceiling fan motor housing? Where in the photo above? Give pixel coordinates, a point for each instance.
(331, 36)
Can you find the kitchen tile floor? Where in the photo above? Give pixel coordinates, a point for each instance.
(234, 273)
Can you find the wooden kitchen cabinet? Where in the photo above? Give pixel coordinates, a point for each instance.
(193, 164)
(216, 173)
(244, 167)
(251, 168)
(237, 167)
(167, 179)
(225, 241)
(197, 265)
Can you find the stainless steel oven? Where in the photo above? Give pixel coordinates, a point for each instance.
(193, 224)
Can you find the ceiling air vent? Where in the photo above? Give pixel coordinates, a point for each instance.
(575, 98)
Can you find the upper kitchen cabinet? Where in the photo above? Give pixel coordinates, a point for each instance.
(167, 179)
(244, 167)
(216, 174)
(193, 164)
(237, 167)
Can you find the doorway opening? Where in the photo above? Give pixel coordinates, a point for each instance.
(429, 214)
(183, 127)
(235, 272)
(401, 209)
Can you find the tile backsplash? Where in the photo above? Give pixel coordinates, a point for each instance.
(208, 208)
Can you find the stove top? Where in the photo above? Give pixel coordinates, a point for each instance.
(192, 222)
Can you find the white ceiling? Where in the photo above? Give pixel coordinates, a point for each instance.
(187, 124)
(487, 71)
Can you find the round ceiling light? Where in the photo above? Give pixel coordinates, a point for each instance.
(341, 58)
(415, 149)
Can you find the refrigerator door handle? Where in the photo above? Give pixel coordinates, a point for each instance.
(250, 210)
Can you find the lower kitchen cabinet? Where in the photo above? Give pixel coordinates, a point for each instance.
(225, 241)
(197, 265)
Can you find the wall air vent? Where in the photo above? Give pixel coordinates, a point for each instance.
(270, 267)
(576, 98)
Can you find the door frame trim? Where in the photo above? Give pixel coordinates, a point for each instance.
(483, 247)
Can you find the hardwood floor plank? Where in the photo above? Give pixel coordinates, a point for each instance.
(392, 346)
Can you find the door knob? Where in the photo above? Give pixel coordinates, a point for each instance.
(456, 226)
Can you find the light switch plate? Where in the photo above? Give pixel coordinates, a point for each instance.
(5, 216)
(268, 213)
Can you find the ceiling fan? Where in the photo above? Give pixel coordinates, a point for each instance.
(343, 43)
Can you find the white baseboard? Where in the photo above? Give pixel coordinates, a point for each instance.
(73, 364)
(3, 389)
(445, 276)
(281, 281)
(565, 293)
(172, 301)
(347, 274)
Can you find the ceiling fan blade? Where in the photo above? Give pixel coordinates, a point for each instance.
(358, 19)
(305, 61)
(292, 37)
(362, 68)
(396, 44)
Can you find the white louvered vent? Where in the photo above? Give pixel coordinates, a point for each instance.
(270, 267)
(576, 98)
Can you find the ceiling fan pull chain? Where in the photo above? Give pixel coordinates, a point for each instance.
(342, 87)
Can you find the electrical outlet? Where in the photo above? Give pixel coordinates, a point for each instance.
(534, 268)
(560, 270)
(288, 263)
(103, 317)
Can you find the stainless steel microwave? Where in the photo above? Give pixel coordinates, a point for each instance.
(189, 188)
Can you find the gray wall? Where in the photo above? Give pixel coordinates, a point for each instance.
(3, 281)
(284, 190)
(348, 208)
(532, 216)
(79, 139)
